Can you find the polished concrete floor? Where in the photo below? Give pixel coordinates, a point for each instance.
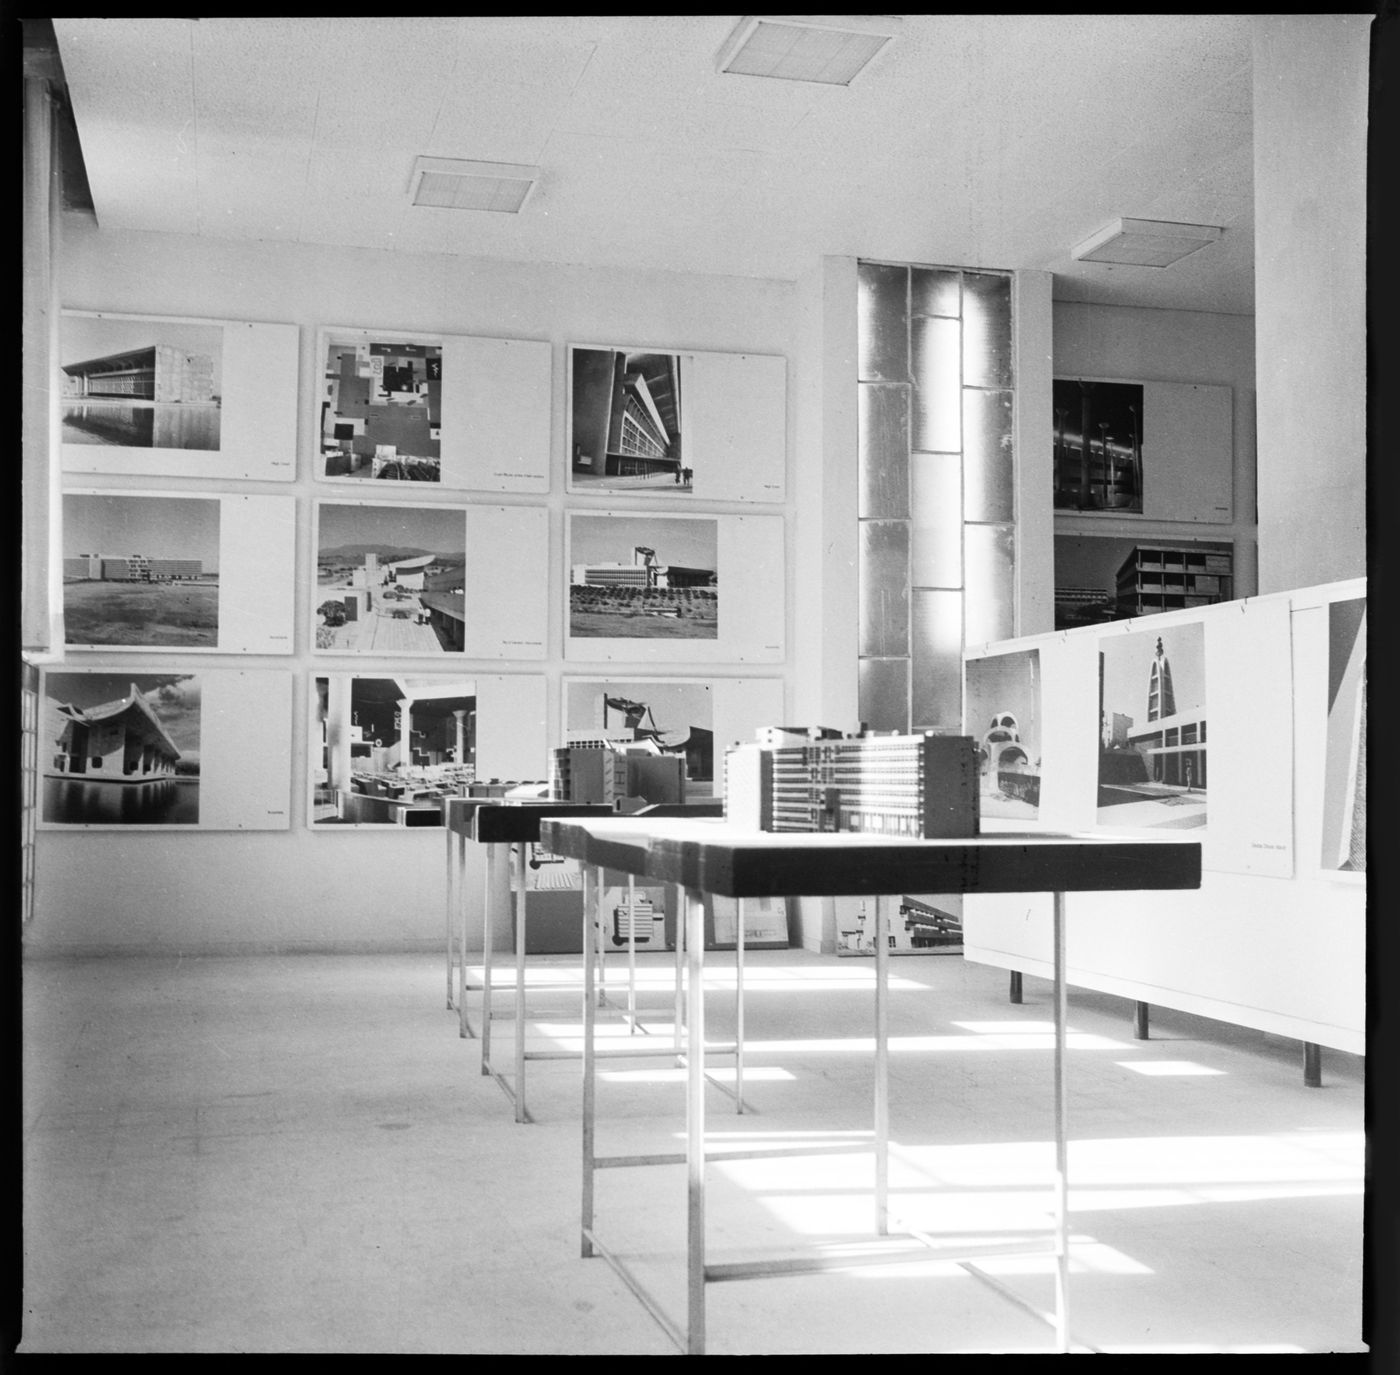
(300, 1154)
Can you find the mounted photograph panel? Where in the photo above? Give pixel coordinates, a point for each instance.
(134, 750)
(1004, 714)
(146, 571)
(451, 410)
(387, 749)
(429, 581)
(1160, 450)
(1102, 578)
(656, 422)
(674, 589)
(175, 397)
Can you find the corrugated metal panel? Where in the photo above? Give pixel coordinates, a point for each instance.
(936, 661)
(882, 327)
(990, 552)
(988, 470)
(936, 520)
(934, 291)
(987, 330)
(883, 451)
(884, 694)
(884, 588)
(937, 419)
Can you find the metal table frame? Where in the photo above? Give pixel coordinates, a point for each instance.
(707, 858)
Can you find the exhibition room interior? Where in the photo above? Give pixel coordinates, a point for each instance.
(927, 457)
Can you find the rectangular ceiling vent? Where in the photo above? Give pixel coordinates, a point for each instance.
(1145, 243)
(830, 49)
(454, 184)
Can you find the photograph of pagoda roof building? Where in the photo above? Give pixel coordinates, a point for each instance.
(140, 383)
(626, 423)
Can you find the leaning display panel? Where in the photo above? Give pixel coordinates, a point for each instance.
(148, 571)
(129, 749)
(177, 397)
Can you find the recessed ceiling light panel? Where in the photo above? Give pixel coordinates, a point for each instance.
(1144, 243)
(455, 184)
(830, 49)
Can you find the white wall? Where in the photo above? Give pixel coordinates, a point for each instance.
(353, 890)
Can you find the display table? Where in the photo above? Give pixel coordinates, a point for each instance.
(710, 857)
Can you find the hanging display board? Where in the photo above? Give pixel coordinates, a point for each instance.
(451, 410)
(1002, 713)
(666, 588)
(176, 397)
(677, 425)
(147, 571)
(430, 581)
(207, 750)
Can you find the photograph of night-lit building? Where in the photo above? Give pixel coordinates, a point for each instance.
(1098, 445)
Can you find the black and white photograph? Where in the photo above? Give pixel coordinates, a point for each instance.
(626, 422)
(390, 579)
(649, 577)
(140, 570)
(1003, 715)
(120, 749)
(381, 409)
(386, 751)
(1098, 445)
(140, 383)
(1344, 789)
(661, 716)
(1152, 729)
(1101, 578)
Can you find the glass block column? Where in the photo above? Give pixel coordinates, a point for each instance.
(936, 493)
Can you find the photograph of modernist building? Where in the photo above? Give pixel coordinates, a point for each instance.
(120, 749)
(140, 570)
(659, 716)
(140, 383)
(1003, 715)
(1099, 578)
(1344, 788)
(644, 578)
(387, 751)
(390, 579)
(1098, 445)
(1152, 731)
(381, 410)
(625, 422)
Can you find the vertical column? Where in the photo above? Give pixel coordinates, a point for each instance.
(459, 746)
(693, 914)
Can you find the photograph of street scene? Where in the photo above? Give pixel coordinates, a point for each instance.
(151, 384)
(643, 577)
(1098, 445)
(140, 570)
(625, 422)
(660, 716)
(1152, 733)
(381, 410)
(387, 751)
(390, 579)
(1003, 716)
(120, 749)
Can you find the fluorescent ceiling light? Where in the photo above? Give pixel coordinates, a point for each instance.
(1144, 243)
(832, 49)
(454, 184)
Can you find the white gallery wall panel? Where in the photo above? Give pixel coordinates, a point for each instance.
(178, 397)
(151, 571)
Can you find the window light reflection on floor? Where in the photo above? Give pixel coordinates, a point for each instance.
(1181, 1068)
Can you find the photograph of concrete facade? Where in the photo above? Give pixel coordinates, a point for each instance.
(390, 579)
(626, 423)
(140, 570)
(1101, 578)
(120, 749)
(1098, 445)
(387, 751)
(1003, 715)
(380, 408)
(664, 716)
(1344, 794)
(140, 383)
(1152, 733)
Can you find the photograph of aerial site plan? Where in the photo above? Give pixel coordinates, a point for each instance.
(140, 383)
(625, 422)
(140, 570)
(644, 577)
(1152, 732)
(387, 751)
(1003, 717)
(657, 716)
(120, 749)
(381, 408)
(390, 579)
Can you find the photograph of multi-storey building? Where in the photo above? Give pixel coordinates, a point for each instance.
(625, 422)
(1098, 445)
(140, 570)
(644, 578)
(120, 749)
(381, 410)
(140, 383)
(1099, 578)
(390, 579)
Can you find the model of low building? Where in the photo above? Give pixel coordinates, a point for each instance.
(617, 777)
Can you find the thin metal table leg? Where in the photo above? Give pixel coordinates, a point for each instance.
(451, 888)
(694, 915)
(678, 1016)
(739, 1008)
(464, 1025)
(882, 1070)
(1061, 1143)
(497, 858)
(632, 954)
(591, 889)
(521, 1115)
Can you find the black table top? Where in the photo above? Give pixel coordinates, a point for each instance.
(499, 823)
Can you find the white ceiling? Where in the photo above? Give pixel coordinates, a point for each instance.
(994, 141)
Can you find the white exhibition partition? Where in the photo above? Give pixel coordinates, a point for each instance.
(1275, 937)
